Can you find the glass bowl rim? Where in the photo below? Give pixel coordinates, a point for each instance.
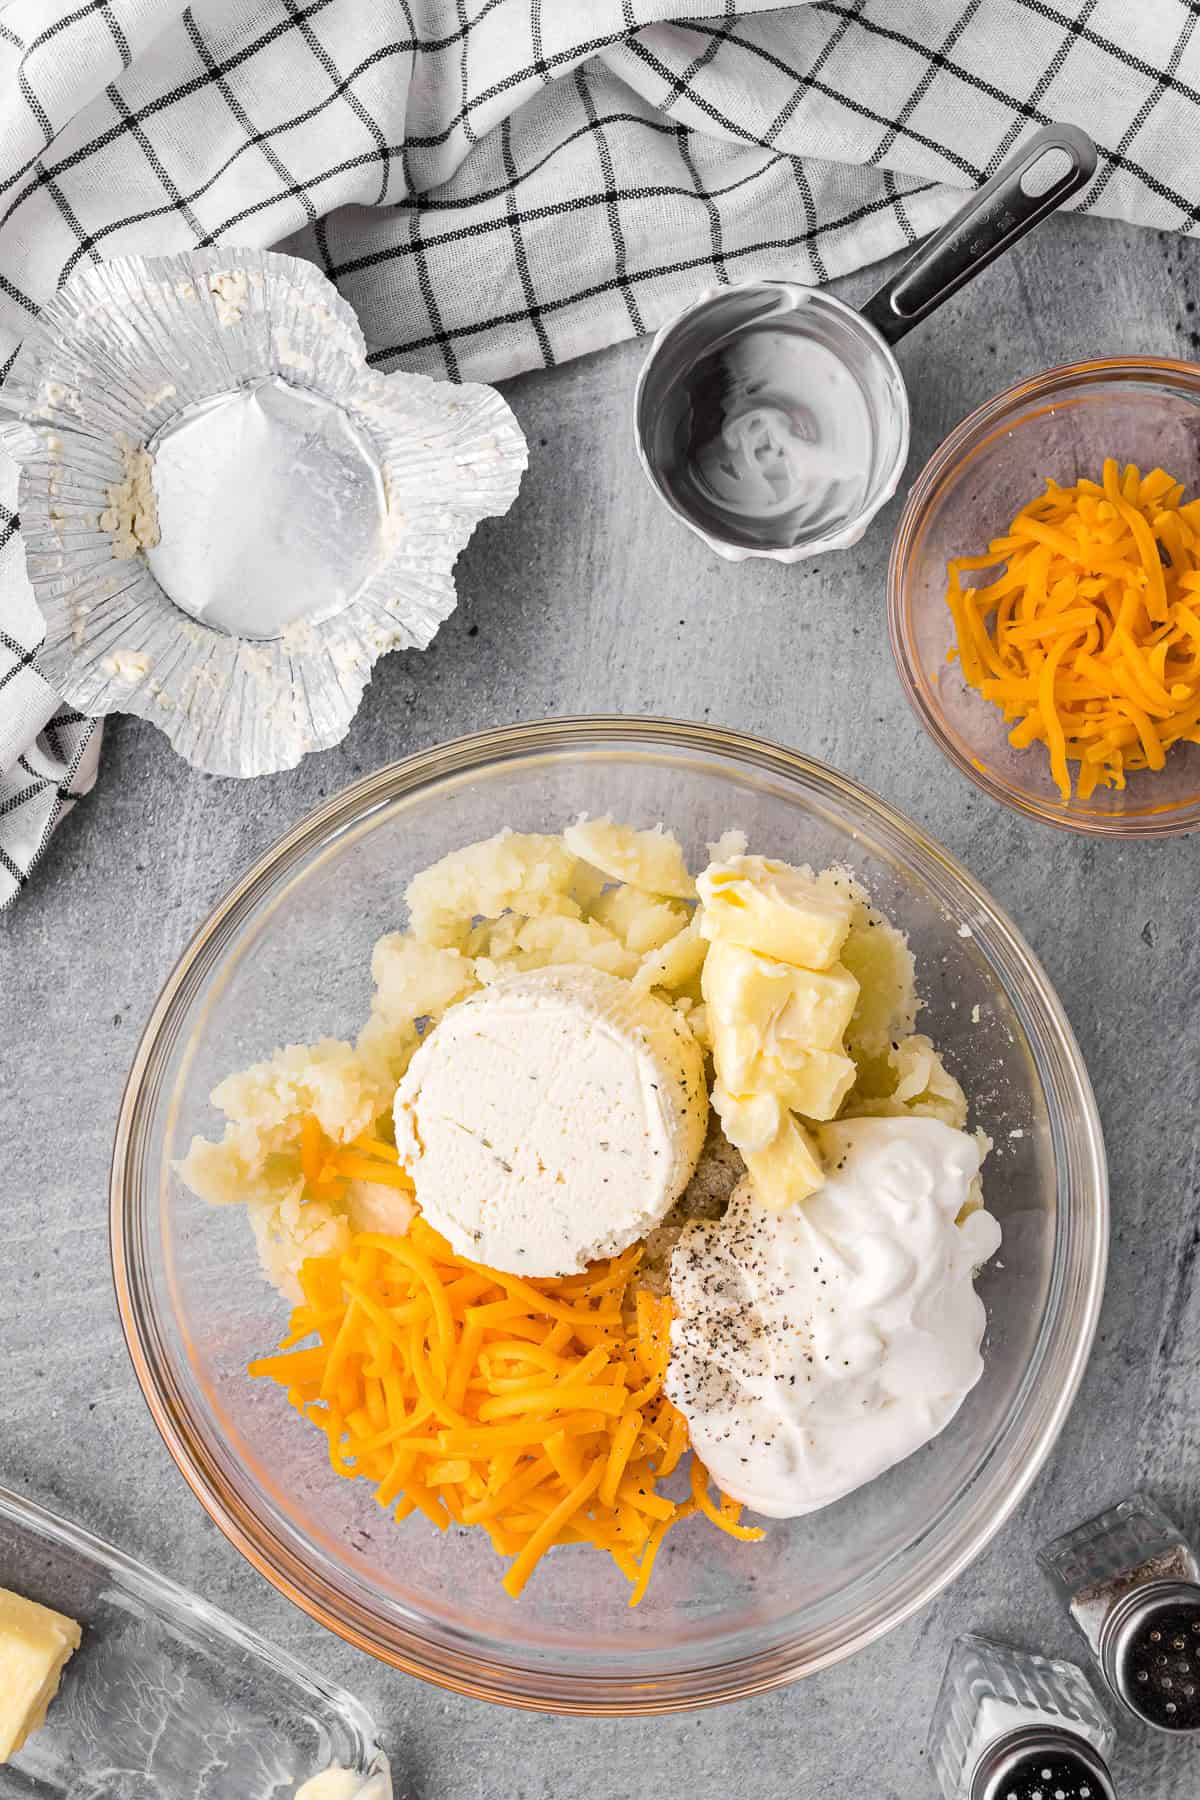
(1173, 372)
(1035, 1415)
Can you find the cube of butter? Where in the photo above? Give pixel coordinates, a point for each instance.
(774, 908)
(812, 1082)
(749, 1121)
(650, 860)
(805, 1009)
(35, 1644)
(788, 1170)
(736, 1052)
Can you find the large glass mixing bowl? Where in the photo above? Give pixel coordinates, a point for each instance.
(285, 957)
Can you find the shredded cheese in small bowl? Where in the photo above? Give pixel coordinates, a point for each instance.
(1089, 638)
(1044, 597)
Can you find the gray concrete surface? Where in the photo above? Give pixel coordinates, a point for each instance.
(588, 598)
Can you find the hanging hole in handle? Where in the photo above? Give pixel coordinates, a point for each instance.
(1045, 172)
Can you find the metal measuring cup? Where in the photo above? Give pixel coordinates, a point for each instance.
(758, 471)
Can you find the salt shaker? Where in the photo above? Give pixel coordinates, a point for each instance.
(1013, 1726)
(1131, 1583)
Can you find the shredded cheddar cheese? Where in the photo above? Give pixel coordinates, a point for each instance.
(533, 1409)
(327, 1167)
(1090, 638)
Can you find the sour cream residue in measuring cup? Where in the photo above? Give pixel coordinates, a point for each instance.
(794, 433)
(773, 419)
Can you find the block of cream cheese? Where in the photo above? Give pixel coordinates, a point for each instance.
(35, 1645)
(552, 1119)
(774, 908)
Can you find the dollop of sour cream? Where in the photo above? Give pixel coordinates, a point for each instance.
(813, 1349)
(796, 434)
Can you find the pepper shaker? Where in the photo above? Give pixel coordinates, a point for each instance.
(1131, 1582)
(1009, 1725)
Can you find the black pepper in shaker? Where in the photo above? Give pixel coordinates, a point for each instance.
(1130, 1581)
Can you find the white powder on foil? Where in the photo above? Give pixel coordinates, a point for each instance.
(230, 291)
(126, 665)
(131, 516)
(57, 394)
(289, 356)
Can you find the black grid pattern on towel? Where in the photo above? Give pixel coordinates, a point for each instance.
(502, 184)
(52, 753)
(497, 185)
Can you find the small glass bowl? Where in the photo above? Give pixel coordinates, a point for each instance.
(285, 957)
(1063, 424)
(165, 1696)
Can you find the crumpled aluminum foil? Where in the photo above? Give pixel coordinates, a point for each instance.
(228, 516)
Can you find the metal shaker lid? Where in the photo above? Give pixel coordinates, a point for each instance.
(1150, 1653)
(1041, 1762)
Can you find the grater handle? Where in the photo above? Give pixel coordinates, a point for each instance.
(996, 216)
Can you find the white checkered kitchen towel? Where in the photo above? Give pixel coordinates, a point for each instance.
(499, 184)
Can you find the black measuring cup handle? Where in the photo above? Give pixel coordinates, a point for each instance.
(994, 218)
